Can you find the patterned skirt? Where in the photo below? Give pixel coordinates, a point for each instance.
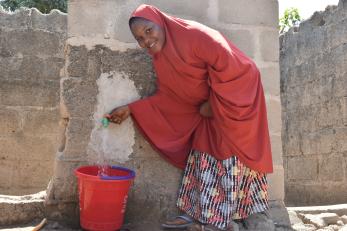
(215, 192)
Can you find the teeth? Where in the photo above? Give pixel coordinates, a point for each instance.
(150, 46)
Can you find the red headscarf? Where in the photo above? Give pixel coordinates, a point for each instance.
(198, 64)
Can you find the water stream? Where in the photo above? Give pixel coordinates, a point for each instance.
(111, 145)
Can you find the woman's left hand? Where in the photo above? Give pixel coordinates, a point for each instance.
(205, 109)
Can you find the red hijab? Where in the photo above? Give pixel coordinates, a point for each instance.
(198, 64)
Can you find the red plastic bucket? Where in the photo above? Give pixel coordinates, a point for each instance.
(102, 199)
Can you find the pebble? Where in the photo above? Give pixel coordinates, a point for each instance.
(317, 222)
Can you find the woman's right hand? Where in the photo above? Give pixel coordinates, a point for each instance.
(119, 114)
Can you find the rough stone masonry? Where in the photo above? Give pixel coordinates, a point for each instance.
(31, 57)
(100, 52)
(313, 64)
(103, 68)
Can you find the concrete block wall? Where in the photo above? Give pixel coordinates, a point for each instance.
(314, 100)
(31, 56)
(105, 68)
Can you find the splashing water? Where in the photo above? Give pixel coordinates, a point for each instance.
(97, 147)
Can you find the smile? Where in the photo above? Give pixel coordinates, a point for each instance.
(150, 46)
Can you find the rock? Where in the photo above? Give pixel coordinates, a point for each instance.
(304, 227)
(329, 218)
(234, 226)
(344, 219)
(344, 228)
(294, 218)
(326, 229)
(340, 223)
(258, 222)
(315, 220)
(334, 227)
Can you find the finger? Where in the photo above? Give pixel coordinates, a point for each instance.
(114, 120)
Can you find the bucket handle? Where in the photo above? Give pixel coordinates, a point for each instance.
(127, 177)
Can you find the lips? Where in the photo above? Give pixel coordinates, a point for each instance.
(152, 45)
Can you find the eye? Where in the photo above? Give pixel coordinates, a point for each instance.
(148, 30)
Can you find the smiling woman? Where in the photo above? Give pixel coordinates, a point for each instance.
(207, 117)
(148, 34)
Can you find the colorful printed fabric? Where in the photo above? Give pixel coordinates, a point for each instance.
(215, 192)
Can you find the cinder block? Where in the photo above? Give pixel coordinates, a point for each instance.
(79, 97)
(153, 171)
(330, 114)
(38, 69)
(33, 42)
(34, 174)
(250, 12)
(270, 77)
(302, 168)
(41, 122)
(31, 68)
(340, 137)
(8, 62)
(311, 41)
(77, 137)
(320, 142)
(337, 33)
(28, 148)
(19, 19)
(142, 149)
(276, 147)
(10, 122)
(113, 21)
(343, 102)
(136, 63)
(276, 183)
(55, 21)
(293, 99)
(29, 93)
(269, 45)
(330, 168)
(64, 182)
(304, 194)
(339, 88)
(196, 9)
(77, 61)
(10, 150)
(288, 48)
(273, 108)
(292, 145)
(243, 39)
(6, 174)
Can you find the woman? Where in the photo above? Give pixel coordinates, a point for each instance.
(208, 117)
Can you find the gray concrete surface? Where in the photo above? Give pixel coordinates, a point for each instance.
(31, 57)
(313, 91)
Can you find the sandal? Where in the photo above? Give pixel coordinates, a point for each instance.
(188, 221)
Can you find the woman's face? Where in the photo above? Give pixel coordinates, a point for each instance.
(148, 35)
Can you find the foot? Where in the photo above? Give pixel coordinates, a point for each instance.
(180, 222)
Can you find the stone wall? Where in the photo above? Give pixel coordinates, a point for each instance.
(104, 68)
(313, 64)
(31, 56)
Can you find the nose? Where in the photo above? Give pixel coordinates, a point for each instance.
(147, 42)
(144, 43)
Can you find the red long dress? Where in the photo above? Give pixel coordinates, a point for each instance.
(198, 64)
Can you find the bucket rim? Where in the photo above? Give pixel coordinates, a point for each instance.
(131, 174)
